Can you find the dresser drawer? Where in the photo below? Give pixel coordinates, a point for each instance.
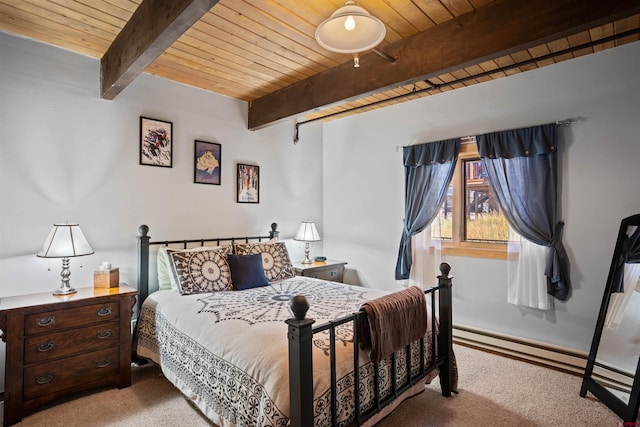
(41, 348)
(47, 378)
(331, 274)
(61, 319)
(331, 270)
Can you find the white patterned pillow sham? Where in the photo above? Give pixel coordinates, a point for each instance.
(163, 265)
(200, 271)
(275, 258)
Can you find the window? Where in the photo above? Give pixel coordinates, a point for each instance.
(470, 222)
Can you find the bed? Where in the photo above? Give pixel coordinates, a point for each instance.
(283, 352)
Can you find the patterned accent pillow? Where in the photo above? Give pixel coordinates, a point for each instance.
(163, 263)
(201, 271)
(275, 258)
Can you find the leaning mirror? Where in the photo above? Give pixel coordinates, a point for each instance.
(612, 373)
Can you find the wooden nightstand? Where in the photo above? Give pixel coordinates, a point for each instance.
(328, 270)
(58, 346)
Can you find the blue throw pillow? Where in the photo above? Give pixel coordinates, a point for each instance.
(247, 271)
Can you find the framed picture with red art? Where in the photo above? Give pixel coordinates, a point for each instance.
(156, 142)
(248, 184)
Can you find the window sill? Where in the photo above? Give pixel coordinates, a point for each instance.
(475, 252)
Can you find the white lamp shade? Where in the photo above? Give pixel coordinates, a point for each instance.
(65, 240)
(333, 35)
(307, 232)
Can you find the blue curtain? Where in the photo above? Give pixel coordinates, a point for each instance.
(428, 169)
(521, 165)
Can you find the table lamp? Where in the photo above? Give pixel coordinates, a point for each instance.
(65, 241)
(307, 232)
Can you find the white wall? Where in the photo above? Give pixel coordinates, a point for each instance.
(364, 190)
(66, 154)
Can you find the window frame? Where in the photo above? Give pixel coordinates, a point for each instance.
(457, 246)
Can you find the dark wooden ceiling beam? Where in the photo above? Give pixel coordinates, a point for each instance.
(153, 27)
(500, 28)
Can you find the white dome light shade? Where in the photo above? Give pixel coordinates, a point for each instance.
(339, 34)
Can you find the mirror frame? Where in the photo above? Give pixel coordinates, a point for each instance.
(628, 411)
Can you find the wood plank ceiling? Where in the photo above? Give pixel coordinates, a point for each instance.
(264, 51)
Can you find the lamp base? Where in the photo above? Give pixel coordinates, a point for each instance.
(306, 259)
(64, 288)
(64, 291)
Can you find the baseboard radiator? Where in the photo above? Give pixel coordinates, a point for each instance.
(548, 355)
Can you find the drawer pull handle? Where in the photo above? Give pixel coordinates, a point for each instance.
(103, 363)
(45, 347)
(104, 311)
(43, 379)
(103, 334)
(45, 321)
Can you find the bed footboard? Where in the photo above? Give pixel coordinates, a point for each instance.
(300, 336)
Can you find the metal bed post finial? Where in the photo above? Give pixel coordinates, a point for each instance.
(445, 269)
(299, 305)
(274, 233)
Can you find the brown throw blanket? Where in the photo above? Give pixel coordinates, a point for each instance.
(394, 321)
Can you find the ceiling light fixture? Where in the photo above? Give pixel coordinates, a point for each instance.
(350, 29)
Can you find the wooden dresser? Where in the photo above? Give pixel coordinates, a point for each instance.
(58, 346)
(330, 269)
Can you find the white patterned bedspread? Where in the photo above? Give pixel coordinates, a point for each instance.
(228, 351)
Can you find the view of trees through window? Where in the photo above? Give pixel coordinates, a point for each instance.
(442, 225)
(483, 219)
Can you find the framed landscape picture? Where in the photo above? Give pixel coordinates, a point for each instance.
(156, 142)
(207, 162)
(248, 184)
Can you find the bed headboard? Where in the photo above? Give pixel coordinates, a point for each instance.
(145, 242)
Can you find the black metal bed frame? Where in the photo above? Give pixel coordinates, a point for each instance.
(300, 337)
(301, 364)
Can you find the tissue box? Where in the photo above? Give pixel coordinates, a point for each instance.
(106, 278)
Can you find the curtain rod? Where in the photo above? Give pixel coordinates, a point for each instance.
(433, 86)
(560, 123)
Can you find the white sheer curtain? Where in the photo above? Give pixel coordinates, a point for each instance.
(527, 284)
(426, 260)
(619, 300)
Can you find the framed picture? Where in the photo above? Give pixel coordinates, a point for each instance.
(156, 142)
(207, 163)
(248, 183)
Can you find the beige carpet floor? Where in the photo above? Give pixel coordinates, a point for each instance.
(493, 391)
